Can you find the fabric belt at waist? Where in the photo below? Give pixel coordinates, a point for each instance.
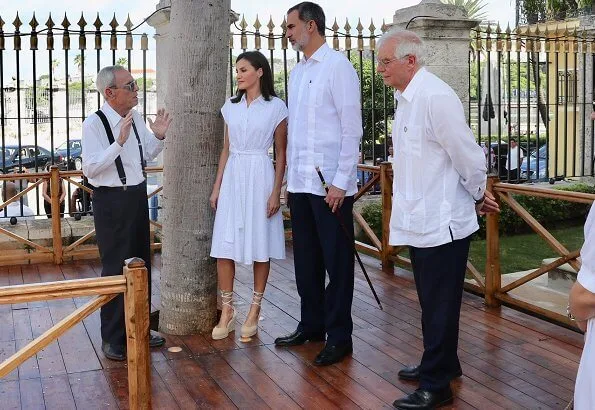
(140, 187)
(255, 152)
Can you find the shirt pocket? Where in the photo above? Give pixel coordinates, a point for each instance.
(316, 94)
(409, 168)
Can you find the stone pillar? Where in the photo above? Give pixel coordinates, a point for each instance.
(160, 22)
(587, 28)
(445, 29)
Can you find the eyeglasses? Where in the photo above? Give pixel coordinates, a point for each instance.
(385, 62)
(131, 86)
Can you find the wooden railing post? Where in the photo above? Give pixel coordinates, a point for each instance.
(492, 268)
(137, 333)
(386, 187)
(56, 217)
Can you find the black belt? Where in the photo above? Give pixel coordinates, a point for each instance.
(140, 187)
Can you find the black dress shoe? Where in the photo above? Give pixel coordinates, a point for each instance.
(409, 373)
(298, 338)
(424, 399)
(113, 351)
(412, 373)
(156, 340)
(333, 354)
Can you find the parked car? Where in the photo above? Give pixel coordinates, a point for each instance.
(28, 156)
(70, 151)
(537, 159)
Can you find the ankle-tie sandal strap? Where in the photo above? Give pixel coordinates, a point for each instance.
(257, 298)
(227, 298)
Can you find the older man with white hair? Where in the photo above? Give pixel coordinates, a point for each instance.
(116, 145)
(439, 186)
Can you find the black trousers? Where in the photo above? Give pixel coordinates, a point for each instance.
(439, 275)
(320, 245)
(122, 229)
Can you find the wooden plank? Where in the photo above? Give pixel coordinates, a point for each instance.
(49, 359)
(64, 287)
(25, 241)
(77, 351)
(137, 333)
(299, 389)
(57, 393)
(179, 393)
(367, 230)
(51, 334)
(262, 384)
(236, 388)
(79, 241)
(203, 389)
(535, 191)
(31, 394)
(91, 390)
(476, 275)
(539, 229)
(538, 272)
(10, 395)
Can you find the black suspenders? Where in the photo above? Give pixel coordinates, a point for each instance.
(110, 138)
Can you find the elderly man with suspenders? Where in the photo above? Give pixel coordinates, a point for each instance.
(116, 144)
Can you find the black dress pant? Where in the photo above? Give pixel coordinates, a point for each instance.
(439, 276)
(321, 245)
(122, 229)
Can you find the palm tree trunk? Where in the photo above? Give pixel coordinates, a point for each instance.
(196, 91)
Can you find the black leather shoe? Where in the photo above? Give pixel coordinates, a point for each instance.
(299, 338)
(156, 340)
(412, 373)
(424, 399)
(113, 351)
(333, 354)
(409, 373)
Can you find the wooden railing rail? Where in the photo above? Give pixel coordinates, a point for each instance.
(135, 286)
(375, 249)
(57, 252)
(495, 293)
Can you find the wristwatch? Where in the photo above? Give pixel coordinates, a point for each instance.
(480, 200)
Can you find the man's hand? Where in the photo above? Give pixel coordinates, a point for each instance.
(334, 198)
(125, 129)
(161, 124)
(488, 205)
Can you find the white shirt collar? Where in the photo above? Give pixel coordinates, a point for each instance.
(112, 116)
(319, 55)
(412, 87)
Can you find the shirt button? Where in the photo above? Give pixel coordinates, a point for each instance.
(405, 129)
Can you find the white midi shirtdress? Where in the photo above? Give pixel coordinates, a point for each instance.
(242, 231)
(584, 390)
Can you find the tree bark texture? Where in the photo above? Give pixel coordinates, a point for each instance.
(196, 86)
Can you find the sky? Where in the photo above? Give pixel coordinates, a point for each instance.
(497, 10)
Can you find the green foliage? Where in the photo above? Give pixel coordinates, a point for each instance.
(140, 82)
(122, 61)
(375, 97)
(475, 8)
(372, 213)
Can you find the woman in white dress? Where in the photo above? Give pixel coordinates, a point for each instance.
(246, 194)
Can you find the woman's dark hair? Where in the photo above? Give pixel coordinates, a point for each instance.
(257, 60)
(310, 11)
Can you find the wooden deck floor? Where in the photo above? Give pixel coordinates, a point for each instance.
(509, 359)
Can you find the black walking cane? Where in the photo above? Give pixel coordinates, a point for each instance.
(361, 264)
